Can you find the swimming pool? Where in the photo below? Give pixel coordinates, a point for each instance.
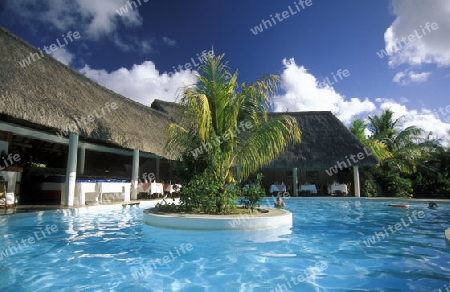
(336, 244)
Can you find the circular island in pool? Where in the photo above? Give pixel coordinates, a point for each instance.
(274, 218)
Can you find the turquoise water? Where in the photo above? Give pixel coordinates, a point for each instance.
(107, 248)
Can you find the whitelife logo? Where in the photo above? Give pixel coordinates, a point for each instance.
(24, 243)
(341, 164)
(202, 57)
(281, 16)
(10, 158)
(216, 141)
(147, 270)
(131, 4)
(411, 38)
(33, 57)
(72, 127)
(378, 236)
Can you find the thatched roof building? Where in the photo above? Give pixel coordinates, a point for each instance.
(325, 140)
(326, 144)
(171, 109)
(49, 96)
(44, 100)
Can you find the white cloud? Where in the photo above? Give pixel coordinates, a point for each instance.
(433, 46)
(102, 16)
(131, 43)
(142, 83)
(428, 120)
(63, 56)
(168, 41)
(303, 93)
(409, 76)
(92, 19)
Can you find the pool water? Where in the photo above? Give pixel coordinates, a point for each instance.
(336, 244)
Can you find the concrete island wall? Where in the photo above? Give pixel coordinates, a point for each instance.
(273, 219)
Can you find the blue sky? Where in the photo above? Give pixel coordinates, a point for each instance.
(129, 50)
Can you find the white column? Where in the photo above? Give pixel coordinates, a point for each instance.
(71, 171)
(294, 182)
(157, 168)
(81, 160)
(356, 181)
(134, 175)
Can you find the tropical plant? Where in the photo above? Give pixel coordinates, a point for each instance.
(226, 124)
(405, 146)
(253, 194)
(433, 175)
(358, 128)
(384, 125)
(400, 151)
(205, 194)
(369, 188)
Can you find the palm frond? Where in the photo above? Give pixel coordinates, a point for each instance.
(216, 106)
(358, 128)
(178, 140)
(265, 142)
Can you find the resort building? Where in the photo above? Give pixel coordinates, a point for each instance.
(328, 157)
(67, 129)
(65, 139)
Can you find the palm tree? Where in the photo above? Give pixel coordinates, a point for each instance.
(226, 124)
(407, 149)
(358, 128)
(403, 154)
(383, 126)
(405, 146)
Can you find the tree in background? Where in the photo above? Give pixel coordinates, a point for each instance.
(401, 153)
(432, 178)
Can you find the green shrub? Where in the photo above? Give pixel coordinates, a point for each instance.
(393, 184)
(431, 184)
(167, 208)
(370, 188)
(204, 194)
(252, 195)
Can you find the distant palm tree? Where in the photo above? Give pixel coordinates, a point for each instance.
(227, 124)
(383, 126)
(358, 128)
(405, 146)
(403, 154)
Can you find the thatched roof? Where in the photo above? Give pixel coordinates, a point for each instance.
(172, 109)
(48, 95)
(325, 141)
